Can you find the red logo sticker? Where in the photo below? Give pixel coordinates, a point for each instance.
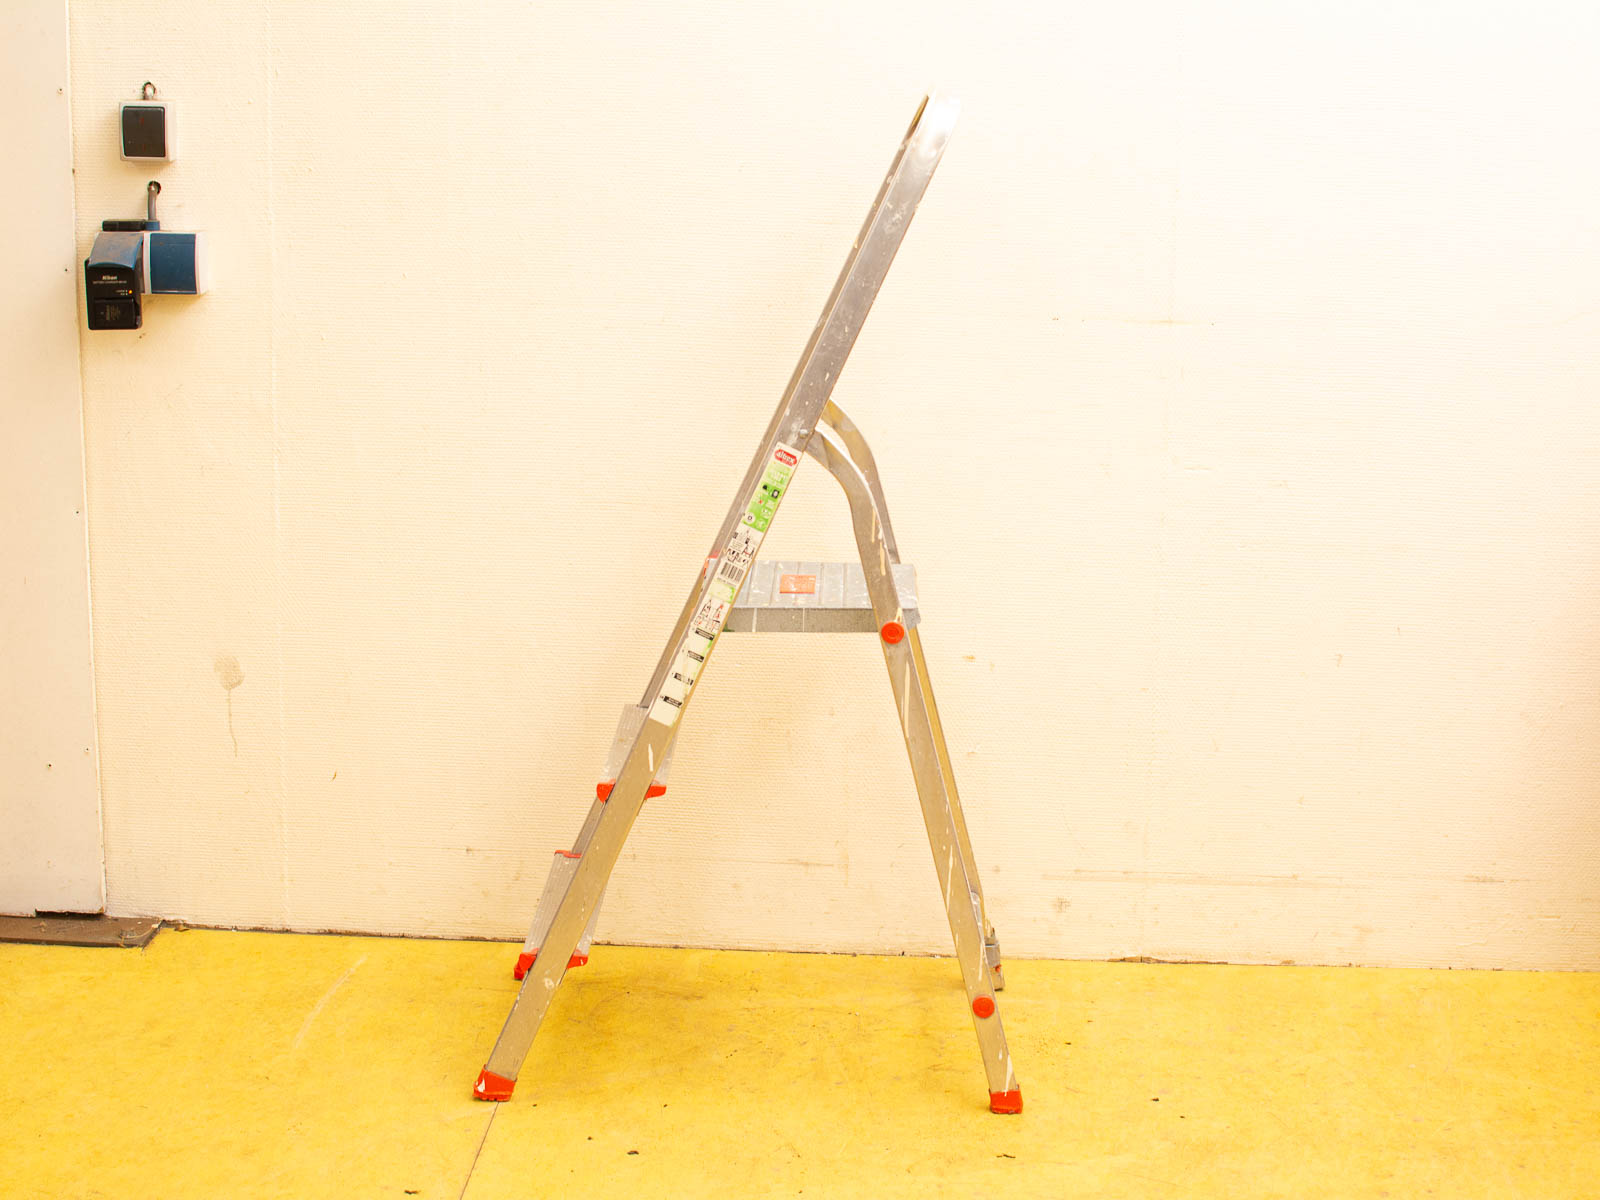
(784, 456)
(798, 585)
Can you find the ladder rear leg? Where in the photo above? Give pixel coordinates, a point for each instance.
(957, 873)
(991, 942)
(849, 441)
(930, 765)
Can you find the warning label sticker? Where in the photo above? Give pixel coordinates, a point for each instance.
(733, 564)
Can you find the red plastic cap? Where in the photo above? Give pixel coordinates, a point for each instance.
(492, 1087)
(983, 1006)
(602, 790)
(1005, 1102)
(892, 632)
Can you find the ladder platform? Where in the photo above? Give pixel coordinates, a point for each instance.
(791, 596)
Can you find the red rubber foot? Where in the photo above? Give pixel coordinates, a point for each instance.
(524, 961)
(492, 1087)
(1005, 1102)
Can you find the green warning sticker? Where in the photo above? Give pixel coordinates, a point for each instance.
(758, 514)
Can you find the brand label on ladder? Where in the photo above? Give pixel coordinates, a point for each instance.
(733, 564)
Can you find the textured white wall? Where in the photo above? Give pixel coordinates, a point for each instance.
(49, 797)
(1235, 391)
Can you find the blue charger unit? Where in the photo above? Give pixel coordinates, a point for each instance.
(176, 263)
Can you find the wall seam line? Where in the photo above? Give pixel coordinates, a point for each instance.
(277, 475)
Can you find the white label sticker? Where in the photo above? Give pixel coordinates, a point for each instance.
(716, 602)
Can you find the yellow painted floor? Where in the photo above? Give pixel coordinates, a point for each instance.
(227, 1065)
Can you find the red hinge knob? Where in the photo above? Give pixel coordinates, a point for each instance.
(983, 1006)
(892, 632)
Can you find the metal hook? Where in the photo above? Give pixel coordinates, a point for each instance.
(148, 92)
(152, 189)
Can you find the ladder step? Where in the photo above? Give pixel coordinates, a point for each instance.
(628, 725)
(526, 959)
(566, 861)
(788, 596)
(562, 868)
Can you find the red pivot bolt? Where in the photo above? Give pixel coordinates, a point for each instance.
(892, 632)
(983, 1006)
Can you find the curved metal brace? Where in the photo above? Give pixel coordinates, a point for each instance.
(861, 455)
(869, 517)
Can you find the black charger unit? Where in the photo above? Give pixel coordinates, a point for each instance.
(113, 278)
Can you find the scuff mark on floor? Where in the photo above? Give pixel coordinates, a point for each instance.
(305, 1026)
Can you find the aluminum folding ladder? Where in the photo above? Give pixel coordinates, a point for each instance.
(734, 591)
